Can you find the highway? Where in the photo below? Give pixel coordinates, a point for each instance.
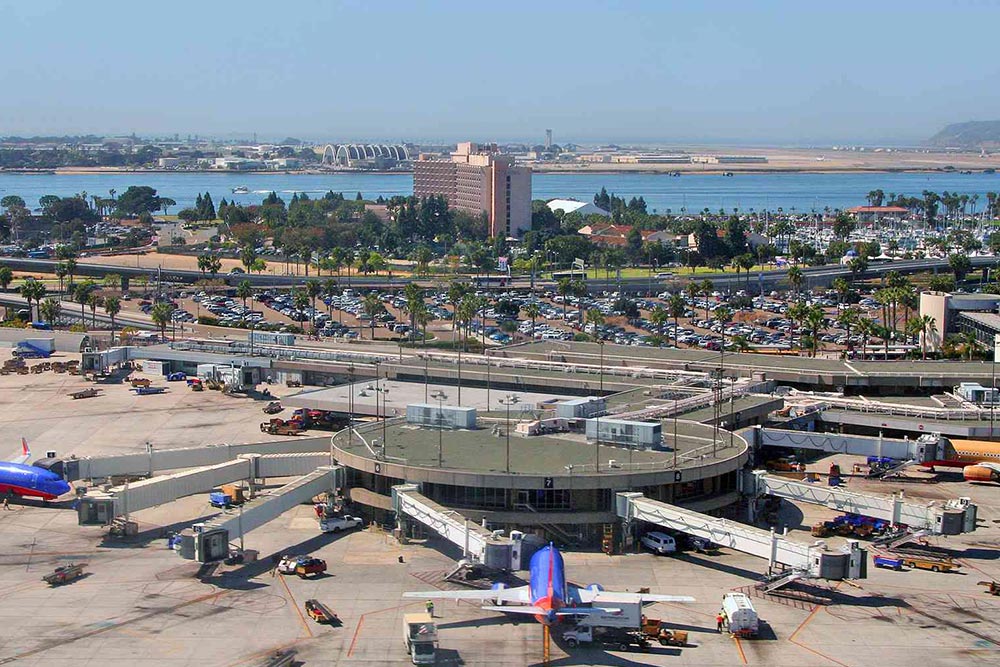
(812, 276)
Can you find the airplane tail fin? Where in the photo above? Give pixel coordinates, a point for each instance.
(25, 453)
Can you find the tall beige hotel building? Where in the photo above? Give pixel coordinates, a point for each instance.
(479, 179)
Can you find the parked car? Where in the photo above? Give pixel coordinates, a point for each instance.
(659, 543)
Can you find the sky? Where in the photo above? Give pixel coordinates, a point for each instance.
(791, 72)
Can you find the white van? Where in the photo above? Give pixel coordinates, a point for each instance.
(659, 543)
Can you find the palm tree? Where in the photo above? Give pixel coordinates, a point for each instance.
(532, 310)
(414, 296)
(70, 268)
(564, 288)
(160, 315)
(815, 318)
(842, 287)
(329, 288)
(740, 343)
(49, 310)
(81, 294)
(596, 317)
(746, 262)
(32, 290)
(970, 344)
(706, 291)
(372, 306)
(313, 289)
(795, 278)
(722, 315)
(659, 316)
(60, 274)
(94, 300)
(112, 306)
(456, 292)
(244, 291)
(847, 318)
(928, 327)
(865, 329)
(677, 307)
(797, 313)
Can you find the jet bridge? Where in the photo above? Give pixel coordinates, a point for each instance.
(802, 560)
(210, 541)
(926, 448)
(954, 518)
(101, 507)
(155, 460)
(476, 542)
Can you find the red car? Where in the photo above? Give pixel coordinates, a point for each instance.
(307, 566)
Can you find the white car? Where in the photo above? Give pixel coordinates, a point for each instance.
(335, 524)
(659, 543)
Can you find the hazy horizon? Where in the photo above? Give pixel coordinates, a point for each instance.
(783, 74)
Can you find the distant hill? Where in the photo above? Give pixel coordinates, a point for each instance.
(970, 134)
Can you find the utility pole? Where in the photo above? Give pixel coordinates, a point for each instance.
(440, 397)
(509, 400)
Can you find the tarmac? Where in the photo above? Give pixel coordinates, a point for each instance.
(139, 603)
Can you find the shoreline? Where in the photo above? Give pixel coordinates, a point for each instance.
(600, 171)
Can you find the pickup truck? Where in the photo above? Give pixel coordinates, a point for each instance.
(335, 524)
(310, 565)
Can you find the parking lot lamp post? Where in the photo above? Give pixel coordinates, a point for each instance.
(507, 401)
(440, 397)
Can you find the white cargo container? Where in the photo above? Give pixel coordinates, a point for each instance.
(740, 616)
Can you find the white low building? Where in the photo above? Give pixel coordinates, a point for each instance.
(575, 206)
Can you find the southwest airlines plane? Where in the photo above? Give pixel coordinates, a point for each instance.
(547, 596)
(20, 479)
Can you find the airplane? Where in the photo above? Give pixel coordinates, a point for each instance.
(19, 479)
(547, 596)
(979, 459)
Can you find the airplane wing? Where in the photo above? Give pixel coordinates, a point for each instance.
(599, 597)
(25, 453)
(519, 595)
(564, 611)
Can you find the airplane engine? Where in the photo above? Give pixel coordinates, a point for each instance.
(982, 473)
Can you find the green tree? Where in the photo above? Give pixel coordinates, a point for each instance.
(414, 296)
(706, 288)
(532, 310)
(677, 306)
(722, 315)
(865, 329)
(815, 318)
(960, 265)
(564, 287)
(842, 288)
(659, 317)
(112, 306)
(244, 291)
(6, 277)
(848, 318)
(313, 288)
(32, 290)
(372, 305)
(161, 314)
(795, 278)
(843, 226)
(81, 294)
(93, 301)
(49, 310)
(858, 266)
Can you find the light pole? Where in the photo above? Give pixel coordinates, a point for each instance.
(440, 397)
(384, 391)
(509, 400)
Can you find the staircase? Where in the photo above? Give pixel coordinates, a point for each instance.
(775, 582)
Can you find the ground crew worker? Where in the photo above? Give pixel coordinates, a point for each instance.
(6, 503)
(430, 608)
(719, 621)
